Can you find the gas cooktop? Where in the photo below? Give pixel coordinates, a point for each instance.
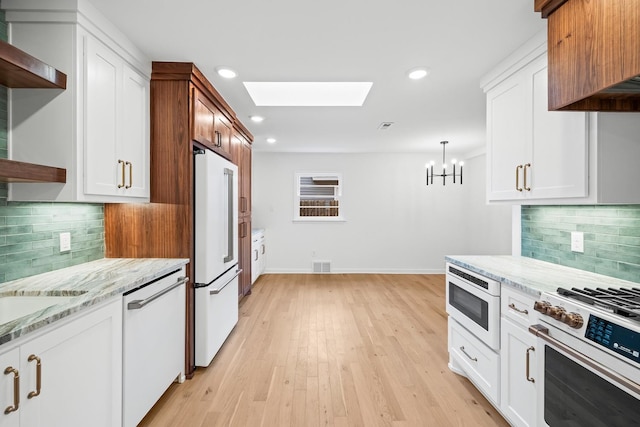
(622, 301)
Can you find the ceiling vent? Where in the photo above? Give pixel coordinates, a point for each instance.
(385, 125)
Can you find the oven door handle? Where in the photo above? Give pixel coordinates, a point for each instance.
(542, 332)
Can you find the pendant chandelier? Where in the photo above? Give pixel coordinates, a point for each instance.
(444, 174)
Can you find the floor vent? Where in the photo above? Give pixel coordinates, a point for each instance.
(321, 266)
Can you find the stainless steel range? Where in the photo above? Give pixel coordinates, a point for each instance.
(589, 369)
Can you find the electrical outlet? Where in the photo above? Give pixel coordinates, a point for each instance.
(577, 241)
(65, 242)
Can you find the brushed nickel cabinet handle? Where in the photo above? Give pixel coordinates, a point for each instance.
(530, 349)
(16, 389)
(518, 177)
(122, 176)
(475, 359)
(512, 306)
(527, 166)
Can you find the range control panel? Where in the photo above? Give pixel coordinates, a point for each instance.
(614, 337)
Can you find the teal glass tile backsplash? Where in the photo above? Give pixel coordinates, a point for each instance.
(611, 237)
(30, 232)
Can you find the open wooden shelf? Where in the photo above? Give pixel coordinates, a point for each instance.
(18, 69)
(13, 171)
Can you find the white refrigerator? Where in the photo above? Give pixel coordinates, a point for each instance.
(216, 253)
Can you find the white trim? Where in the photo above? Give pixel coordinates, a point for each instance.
(356, 271)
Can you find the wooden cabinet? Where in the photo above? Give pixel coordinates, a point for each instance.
(242, 156)
(210, 126)
(244, 234)
(79, 362)
(98, 128)
(593, 54)
(533, 153)
(518, 359)
(165, 228)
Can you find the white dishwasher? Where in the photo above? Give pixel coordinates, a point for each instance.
(153, 343)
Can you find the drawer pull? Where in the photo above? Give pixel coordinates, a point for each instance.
(527, 366)
(512, 306)
(16, 389)
(33, 394)
(475, 359)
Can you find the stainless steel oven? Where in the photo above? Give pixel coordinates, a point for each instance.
(588, 370)
(474, 302)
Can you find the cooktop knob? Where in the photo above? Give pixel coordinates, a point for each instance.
(541, 306)
(574, 320)
(555, 312)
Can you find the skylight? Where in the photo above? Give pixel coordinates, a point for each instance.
(308, 94)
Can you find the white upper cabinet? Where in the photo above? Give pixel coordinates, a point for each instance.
(532, 153)
(98, 128)
(536, 156)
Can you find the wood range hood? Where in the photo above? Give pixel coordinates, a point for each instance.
(21, 70)
(593, 54)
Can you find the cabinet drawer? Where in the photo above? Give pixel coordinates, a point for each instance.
(479, 362)
(517, 306)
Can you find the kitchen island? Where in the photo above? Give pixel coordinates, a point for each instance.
(532, 276)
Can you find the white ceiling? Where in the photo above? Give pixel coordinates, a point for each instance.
(342, 40)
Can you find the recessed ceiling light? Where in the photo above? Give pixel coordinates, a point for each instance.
(271, 140)
(256, 119)
(226, 72)
(417, 73)
(308, 94)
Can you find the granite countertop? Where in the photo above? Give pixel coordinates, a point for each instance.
(88, 284)
(533, 276)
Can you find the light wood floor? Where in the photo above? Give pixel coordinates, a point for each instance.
(332, 350)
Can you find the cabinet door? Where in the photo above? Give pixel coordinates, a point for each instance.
(102, 171)
(203, 120)
(506, 145)
(133, 144)
(223, 132)
(559, 145)
(9, 360)
(245, 182)
(518, 401)
(244, 231)
(81, 372)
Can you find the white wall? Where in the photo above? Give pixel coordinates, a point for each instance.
(394, 222)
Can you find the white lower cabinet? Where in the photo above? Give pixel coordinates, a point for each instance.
(9, 384)
(518, 356)
(69, 375)
(471, 357)
(518, 388)
(258, 255)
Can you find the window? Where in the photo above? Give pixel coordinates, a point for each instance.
(317, 197)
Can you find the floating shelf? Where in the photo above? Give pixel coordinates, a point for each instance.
(18, 69)
(13, 171)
